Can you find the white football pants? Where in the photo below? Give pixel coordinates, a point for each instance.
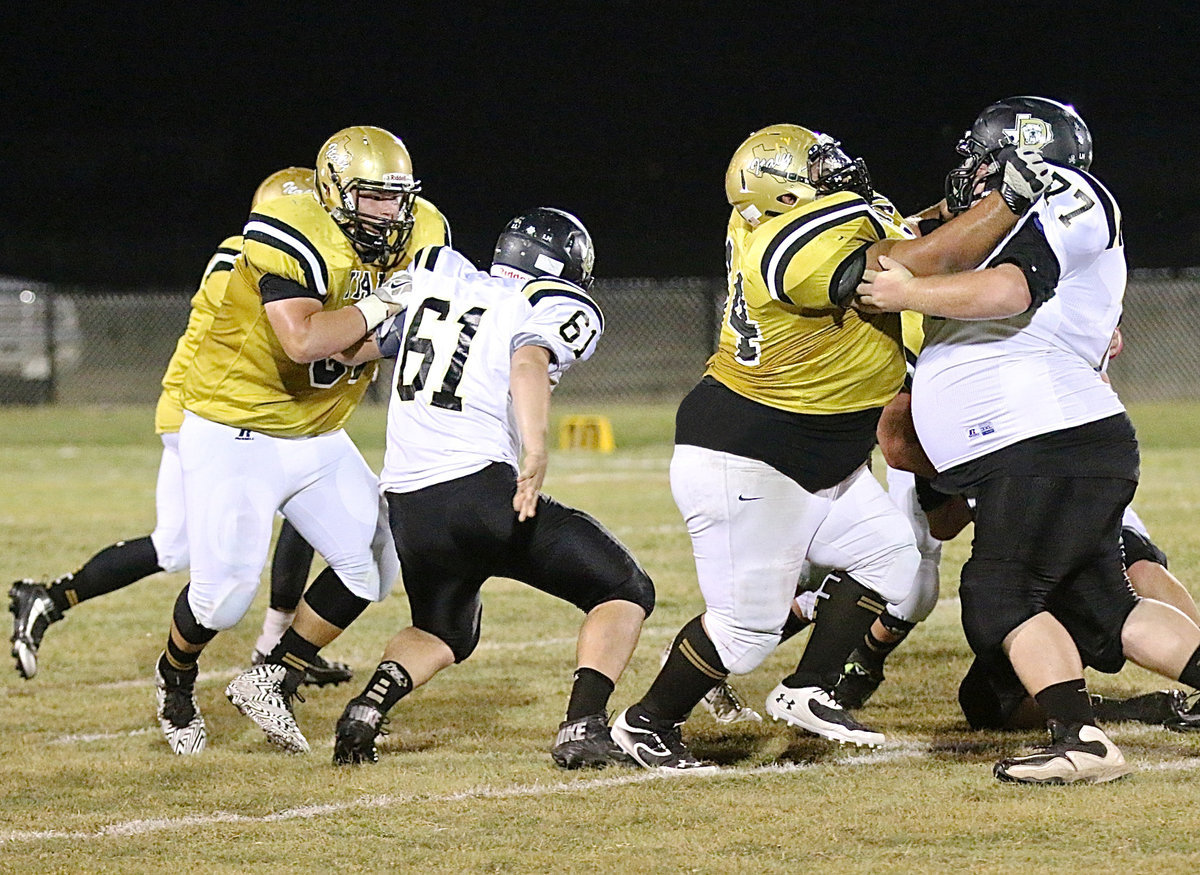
(752, 529)
(235, 480)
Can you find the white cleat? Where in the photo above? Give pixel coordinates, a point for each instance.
(815, 710)
(1075, 754)
(264, 693)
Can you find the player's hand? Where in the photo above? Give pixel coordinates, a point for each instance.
(883, 291)
(396, 291)
(529, 484)
(1026, 175)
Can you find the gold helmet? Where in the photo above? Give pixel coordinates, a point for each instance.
(289, 180)
(366, 160)
(768, 173)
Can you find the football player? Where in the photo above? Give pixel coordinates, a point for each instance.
(264, 401)
(992, 697)
(478, 356)
(770, 464)
(1053, 466)
(35, 606)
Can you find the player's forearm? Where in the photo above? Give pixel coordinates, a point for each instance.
(366, 350)
(323, 334)
(958, 245)
(529, 385)
(994, 293)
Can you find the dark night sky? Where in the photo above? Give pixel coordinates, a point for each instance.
(132, 144)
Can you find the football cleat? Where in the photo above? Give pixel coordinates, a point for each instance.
(861, 677)
(586, 743)
(1185, 715)
(357, 729)
(1156, 708)
(320, 673)
(178, 714)
(32, 610)
(726, 706)
(814, 710)
(1079, 753)
(655, 747)
(264, 693)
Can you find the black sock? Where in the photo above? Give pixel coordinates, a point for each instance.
(691, 670)
(289, 568)
(793, 625)
(390, 683)
(1067, 702)
(877, 651)
(589, 693)
(842, 621)
(114, 567)
(294, 651)
(177, 659)
(1191, 672)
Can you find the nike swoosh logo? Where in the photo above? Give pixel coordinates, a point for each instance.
(751, 497)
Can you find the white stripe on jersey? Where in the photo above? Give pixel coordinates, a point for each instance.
(220, 259)
(298, 244)
(836, 217)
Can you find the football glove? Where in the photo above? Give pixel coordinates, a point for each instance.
(1025, 178)
(387, 300)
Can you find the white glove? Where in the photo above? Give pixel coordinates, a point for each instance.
(389, 299)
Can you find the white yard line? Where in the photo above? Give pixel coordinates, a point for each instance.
(515, 791)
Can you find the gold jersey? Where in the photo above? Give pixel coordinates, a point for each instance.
(168, 415)
(783, 343)
(240, 375)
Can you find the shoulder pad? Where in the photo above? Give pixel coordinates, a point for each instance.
(278, 240)
(551, 290)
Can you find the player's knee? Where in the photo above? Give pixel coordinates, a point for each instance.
(462, 639)
(741, 649)
(363, 574)
(221, 608)
(170, 553)
(922, 597)
(892, 574)
(638, 588)
(993, 604)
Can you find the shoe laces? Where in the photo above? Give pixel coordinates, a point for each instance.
(289, 687)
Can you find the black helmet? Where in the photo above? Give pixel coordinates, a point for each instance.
(1055, 129)
(547, 242)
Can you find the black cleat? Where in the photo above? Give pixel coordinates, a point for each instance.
(1185, 716)
(1155, 708)
(586, 743)
(33, 611)
(321, 673)
(861, 677)
(178, 714)
(358, 727)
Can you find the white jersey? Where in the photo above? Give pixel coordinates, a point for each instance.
(450, 413)
(983, 385)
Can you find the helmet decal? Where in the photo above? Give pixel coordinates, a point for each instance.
(1030, 132)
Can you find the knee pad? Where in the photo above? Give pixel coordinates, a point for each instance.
(923, 597)
(171, 553)
(462, 642)
(638, 589)
(185, 621)
(993, 603)
(741, 649)
(221, 608)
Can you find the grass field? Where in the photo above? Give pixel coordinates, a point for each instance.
(465, 782)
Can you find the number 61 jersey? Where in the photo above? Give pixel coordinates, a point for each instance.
(450, 413)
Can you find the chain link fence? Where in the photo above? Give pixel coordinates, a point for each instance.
(79, 346)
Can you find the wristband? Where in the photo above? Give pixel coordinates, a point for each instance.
(373, 310)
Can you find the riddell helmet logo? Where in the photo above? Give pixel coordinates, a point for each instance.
(338, 157)
(1030, 132)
